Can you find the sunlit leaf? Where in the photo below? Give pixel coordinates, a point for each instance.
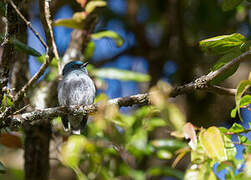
(201, 171)
(42, 59)
(212, 142)
(245, 100)
(70, 23)
(189, 133)
(164, 154)
(176, 118)
(89, 50)
(72, 149)
(90, 6)
(119, 74)
(109, 34)
(230, 4)
(79, 17)
(247, 169)
(139, 139)
(222, 44)
(168, 144)
(236, 128)
(11, 140)
(241, 88)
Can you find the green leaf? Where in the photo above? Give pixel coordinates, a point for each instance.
(176, 117)
(42, 59)
(71, 151)
(201, 171)
(236, 128)
(139, 139)
(25, 48)
(212, 142)
(21, 47)
(222, 61)
(241, 88)
(158, 171)
(70, 23)
(222, 44)
(233, 113)
(109, 34)
(230, 4)
(168, 144)
(164, 154)
(124, 75)
(90, 6)
(89, 50)
(245, 100)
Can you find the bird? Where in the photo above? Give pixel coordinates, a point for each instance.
(75, 88)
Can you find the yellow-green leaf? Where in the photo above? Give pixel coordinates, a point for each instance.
(109, 34)
(70, 23)
(71, 150)
(119, 74)
(241, 88)
(230, 4)
(212, 142)
(222, 44)
(90, 6)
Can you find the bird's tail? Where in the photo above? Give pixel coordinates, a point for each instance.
(77, 129)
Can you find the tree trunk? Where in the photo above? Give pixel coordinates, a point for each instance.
(36, 154)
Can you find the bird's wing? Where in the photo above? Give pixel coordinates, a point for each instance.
(77, 89)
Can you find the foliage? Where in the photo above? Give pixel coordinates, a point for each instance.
(116, 145)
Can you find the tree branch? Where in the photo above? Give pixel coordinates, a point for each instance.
(38, 116)
(28, 23)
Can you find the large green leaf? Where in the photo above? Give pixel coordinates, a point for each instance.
(212, 142)
(119, 74)
(222, 61)
(109, 34)
(222, 44)
(241, 88)
(226, 58)
(230, 4)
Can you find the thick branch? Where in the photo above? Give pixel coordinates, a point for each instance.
(139, 99)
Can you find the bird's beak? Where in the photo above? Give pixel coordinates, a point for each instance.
(85, 64)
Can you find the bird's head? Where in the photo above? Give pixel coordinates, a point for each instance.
(75, 65)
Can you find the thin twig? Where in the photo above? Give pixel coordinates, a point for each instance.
(53, 43)
(28, 23)
(237, 133)
(212, 75)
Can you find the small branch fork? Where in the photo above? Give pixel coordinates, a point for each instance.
(44, 7)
